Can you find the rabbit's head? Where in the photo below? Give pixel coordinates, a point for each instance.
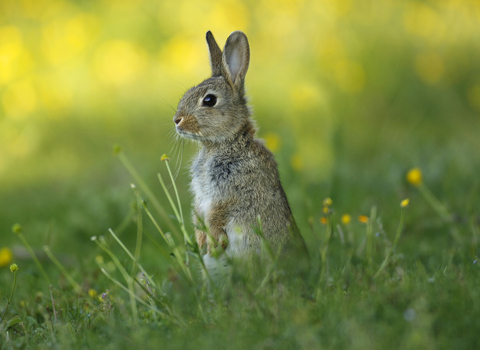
(216, 109)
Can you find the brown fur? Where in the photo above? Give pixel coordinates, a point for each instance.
(217, 219)
(190, 124)
(200, 235)
(235, 177)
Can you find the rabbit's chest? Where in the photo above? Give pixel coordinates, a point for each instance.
(203, 195)
(210, 182)
(202, 187)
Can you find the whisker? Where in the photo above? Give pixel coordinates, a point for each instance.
(165, 103)
(179, 160)
(167, 124)
(177, 153)
(176, 81)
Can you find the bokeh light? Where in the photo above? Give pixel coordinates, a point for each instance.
(330, 81)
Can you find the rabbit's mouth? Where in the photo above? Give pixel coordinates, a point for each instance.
(189, 135)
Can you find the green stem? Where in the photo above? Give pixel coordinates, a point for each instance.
(126, 163)
(269, 273)
(155, 223)
(138, 245)
(176, 192)
(171, 243)
(324, 251)
(175, 210)
(126, 221)
(160, 248)
(434, 202)
(475, 232)
(441, 211)
(69, 278)
(265, 244)
(395, 241)
(11, 296)
(127, 278)
(135, 260)
(323, 254)
(132, 294)
(186, 270)
(373, 214)
(174, 207)
(34, 257)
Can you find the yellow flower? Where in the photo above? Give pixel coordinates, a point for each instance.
(16, 228)
(325, 210)
(327, 202)
(164, 158)
(6, 257)
(297, 162)
(346, 219)
(14, 268)
(92, 293)
(324, 220)
(414, 176)
(117, 149)
(272, 141)
(363, 219)
(404, 203)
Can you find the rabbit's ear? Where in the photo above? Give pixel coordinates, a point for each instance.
(215, 55)
(236, 56)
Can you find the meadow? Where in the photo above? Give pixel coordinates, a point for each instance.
(372, 110)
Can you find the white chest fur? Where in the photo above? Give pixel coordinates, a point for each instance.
(203, 198)
(201, 187)
(207, 194)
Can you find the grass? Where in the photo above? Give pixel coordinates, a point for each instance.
(369, 286)
(348, 95)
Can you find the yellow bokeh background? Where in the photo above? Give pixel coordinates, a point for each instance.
(77, 76)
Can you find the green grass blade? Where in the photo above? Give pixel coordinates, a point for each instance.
(32, 254)
(138, 245)
(144, 187)
(69, 278)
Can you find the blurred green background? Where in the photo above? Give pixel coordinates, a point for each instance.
(348, 94)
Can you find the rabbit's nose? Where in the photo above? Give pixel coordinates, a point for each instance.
(177, 120)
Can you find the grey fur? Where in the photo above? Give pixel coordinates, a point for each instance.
(235, 177)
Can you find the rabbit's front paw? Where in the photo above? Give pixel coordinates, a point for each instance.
(223, 241)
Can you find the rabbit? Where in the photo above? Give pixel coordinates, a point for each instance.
(235, 178)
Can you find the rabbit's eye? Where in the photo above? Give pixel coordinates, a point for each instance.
(209, 100)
